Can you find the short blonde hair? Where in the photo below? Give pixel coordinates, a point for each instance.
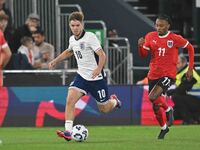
(76, 16)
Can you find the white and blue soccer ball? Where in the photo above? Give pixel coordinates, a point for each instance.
(79, 133)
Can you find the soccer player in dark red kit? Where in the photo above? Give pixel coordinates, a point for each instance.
(163, 46)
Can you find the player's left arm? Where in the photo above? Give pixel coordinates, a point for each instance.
(102, 60)
(182, 42)
(189, 72)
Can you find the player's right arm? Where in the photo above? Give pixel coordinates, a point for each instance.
(65, 54)
(143, 46)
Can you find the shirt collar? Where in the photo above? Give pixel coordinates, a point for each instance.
(82, 34)
(164, 36)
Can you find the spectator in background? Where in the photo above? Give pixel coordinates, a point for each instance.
(5, 52)
(114, 50)
(46, 49)
(31, 25)
(31, 51)
(182, 69)
(9, 29)
(186, 105)
(26, 48)
(113, 34)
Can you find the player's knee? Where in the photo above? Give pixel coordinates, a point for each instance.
(70, 102)
(156, 108)
(152, 97)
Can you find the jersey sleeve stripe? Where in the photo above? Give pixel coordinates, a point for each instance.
(98, 49)
(4, 45)
(147, 48)
(186, 45)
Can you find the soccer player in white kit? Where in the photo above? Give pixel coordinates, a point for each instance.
(90, 76)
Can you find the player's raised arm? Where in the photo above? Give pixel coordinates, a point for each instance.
(102, 60)
(142, 52)
(65, 54)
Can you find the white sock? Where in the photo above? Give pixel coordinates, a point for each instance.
(168, 109)
(164, 127)
(68, 125)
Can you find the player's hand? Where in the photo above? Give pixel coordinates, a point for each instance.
(52, 64)
(189, 74)
(141, 41)
(96, 72)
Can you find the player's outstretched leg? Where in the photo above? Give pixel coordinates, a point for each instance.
(170, 116)
(163, 133)
(64, 134)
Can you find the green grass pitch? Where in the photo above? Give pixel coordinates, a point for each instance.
(102, 138)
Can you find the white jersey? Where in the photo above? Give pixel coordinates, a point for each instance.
(84, 50)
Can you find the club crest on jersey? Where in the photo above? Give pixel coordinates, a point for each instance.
(170, 43)
(82, 46)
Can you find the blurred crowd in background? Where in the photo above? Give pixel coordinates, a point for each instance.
(27, 43)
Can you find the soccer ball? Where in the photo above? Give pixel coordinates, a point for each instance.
(79, 133)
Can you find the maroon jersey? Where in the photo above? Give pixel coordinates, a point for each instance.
(164, 53)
